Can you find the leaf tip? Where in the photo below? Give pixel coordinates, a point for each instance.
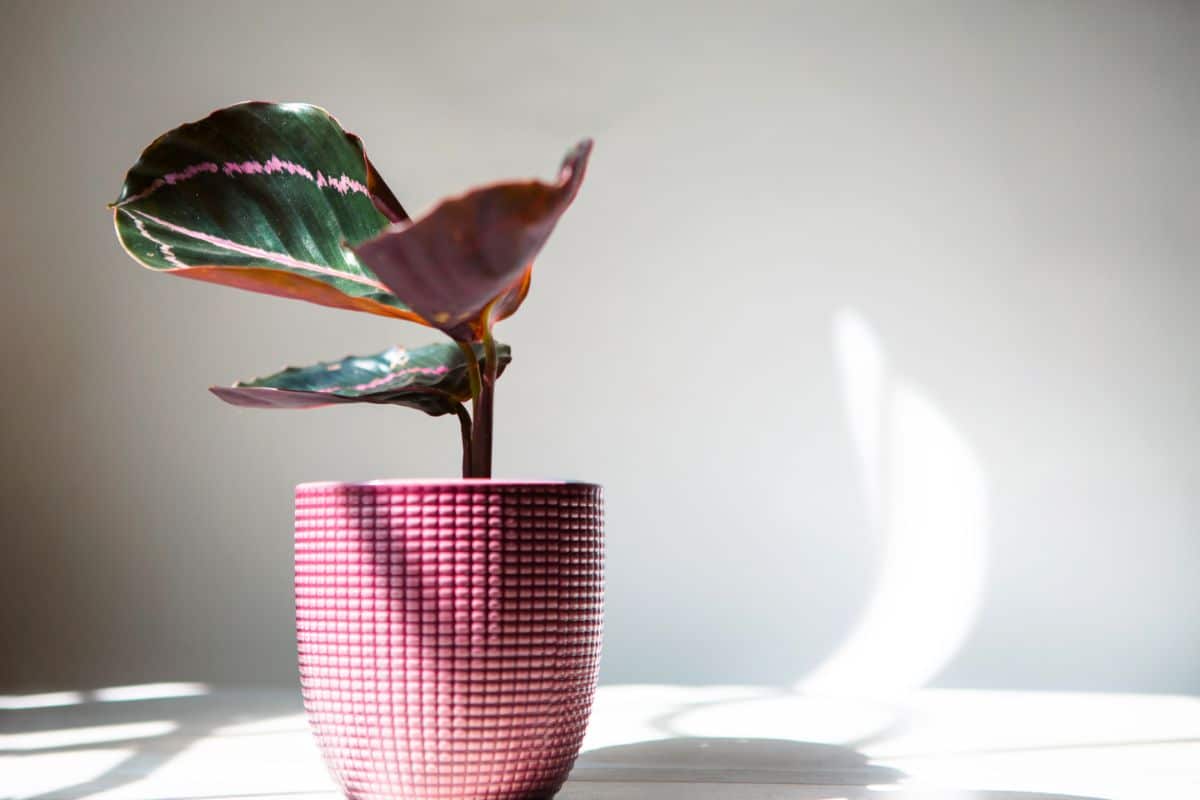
(577, 157)
(574, 165)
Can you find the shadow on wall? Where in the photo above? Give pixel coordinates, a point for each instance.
(926, 494)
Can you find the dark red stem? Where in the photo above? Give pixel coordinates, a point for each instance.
(464, 424)
(481, 434)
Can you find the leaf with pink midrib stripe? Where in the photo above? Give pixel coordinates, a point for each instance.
(262, 196)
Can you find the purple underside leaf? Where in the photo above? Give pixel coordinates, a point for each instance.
(473, 250)
(433, 379)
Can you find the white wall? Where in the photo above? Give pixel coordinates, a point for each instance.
(1002, 201)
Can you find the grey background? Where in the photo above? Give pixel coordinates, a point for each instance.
(1005, 194)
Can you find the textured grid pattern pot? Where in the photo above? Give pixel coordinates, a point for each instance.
(449, 633)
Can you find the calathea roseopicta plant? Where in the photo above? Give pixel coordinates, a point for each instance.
(280, 199)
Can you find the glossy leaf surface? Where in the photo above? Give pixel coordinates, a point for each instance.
(474, 251)
(432, 378)
(262, 196)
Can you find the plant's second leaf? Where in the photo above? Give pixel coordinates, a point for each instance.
(474, 252)
(432, 378)
(262, 196)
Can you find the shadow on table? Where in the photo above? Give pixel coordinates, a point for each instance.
(701, 768)
(154, 730)
(703, 760)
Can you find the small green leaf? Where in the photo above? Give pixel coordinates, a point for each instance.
(262, 196)
(432, 378)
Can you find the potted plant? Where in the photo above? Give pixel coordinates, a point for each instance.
(448, 630)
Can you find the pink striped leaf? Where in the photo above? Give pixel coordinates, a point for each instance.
(432, 379)
(262, 196)
(467, 263)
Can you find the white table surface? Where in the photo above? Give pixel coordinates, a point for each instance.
(193, 742)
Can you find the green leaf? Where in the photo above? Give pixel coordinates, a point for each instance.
(467, 263)
(262, 196)
(432, 378)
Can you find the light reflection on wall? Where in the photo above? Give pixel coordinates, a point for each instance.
(926, 493)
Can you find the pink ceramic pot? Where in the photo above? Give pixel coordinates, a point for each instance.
(449, 633)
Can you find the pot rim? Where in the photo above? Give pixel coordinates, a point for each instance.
(401, 483)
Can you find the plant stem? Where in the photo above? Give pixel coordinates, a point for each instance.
(472, 372)
(477, 382)
(482, 433)
(464, 424)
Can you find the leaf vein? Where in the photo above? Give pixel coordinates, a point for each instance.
(249, 250)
